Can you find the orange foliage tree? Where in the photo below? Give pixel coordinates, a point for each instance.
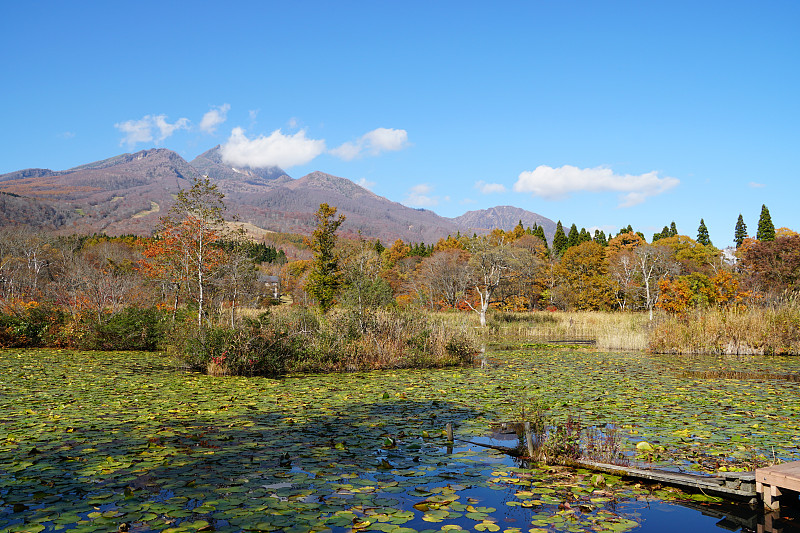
(183, 252)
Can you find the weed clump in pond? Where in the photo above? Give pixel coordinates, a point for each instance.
(299, 339)
(564, 443)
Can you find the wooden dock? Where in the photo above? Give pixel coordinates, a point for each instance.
(733, 485)
(773, 482)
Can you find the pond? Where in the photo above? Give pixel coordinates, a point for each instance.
(91, 441)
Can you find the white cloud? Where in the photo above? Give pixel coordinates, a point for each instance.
(557, 183)
(144, 129)
(373, 143)
(755, 185)
(166, 129)
(419, 196)
(214, 118)
(363, 182)
(276, 149)
(67, 135)
(489, 188)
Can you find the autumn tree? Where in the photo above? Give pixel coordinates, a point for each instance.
(531, 255)
(692, 255)
(740, 231)
(766, 229)
(584, 271)
(325, 279)
(237, 274)
(653, 264)
(363, 289)
(772, 266)
(624, 241)
(489, 265)
(622, 277)
(184, 248)
(442, 278)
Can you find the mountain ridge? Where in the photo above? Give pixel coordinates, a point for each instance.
(127, 193)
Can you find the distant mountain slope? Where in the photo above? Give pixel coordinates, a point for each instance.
(18, 210)
(374, 216)
(506, 218)
(128, 193)
(122, 194)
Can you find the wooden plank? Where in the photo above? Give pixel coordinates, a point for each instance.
(712, 484)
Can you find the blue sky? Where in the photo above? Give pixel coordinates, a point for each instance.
(599, 113)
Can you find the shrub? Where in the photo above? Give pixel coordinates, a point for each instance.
(30, 325)
(130, 329)
(297, 339)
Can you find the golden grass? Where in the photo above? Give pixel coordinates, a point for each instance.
(770, 330)
(610, 331)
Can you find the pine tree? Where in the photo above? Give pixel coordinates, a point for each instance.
(740, 233)
(539, 232)
(673, 230)
(600, 238)
(573, 239)
(766, 230)
(559, 240)
(584, 236)
(325, 277)
(702, 234)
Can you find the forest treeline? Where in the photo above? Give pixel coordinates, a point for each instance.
(354, 302)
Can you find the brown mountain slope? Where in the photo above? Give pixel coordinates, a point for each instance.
(505, 217)
(128, 193)
(372, 215)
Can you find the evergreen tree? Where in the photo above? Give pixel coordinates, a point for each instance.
(766, 230)
(325, 277)
(559, 240)
(584, 236)
(665, 232)
(539, 232)
(702, 234)
(740, 233)
(573, 239)
(600, 238)
(673, 230)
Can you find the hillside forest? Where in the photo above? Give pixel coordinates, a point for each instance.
(321, 302)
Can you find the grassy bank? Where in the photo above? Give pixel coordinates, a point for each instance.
(773, 330)
(611, 331)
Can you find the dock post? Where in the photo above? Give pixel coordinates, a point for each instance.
(449, 432)
(770, 494)
(529, 439)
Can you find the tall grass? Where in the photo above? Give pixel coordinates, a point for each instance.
(610, 331)
(772, 330)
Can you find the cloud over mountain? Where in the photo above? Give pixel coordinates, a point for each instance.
(275, 149)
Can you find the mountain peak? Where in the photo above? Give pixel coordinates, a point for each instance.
(232, 178)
